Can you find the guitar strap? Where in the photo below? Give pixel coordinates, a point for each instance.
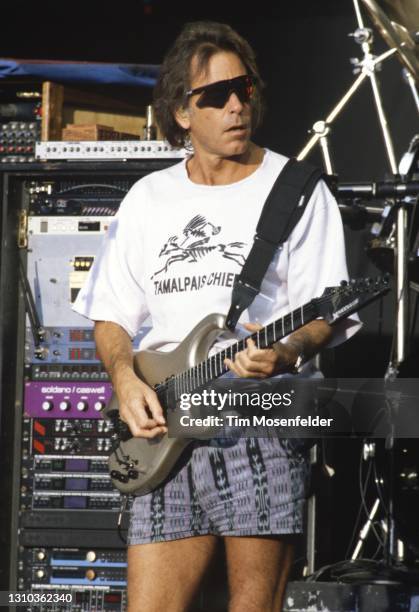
(281, 212)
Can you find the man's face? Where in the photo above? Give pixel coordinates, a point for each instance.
(219, 131)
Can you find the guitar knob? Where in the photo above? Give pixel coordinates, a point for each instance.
(133, 474)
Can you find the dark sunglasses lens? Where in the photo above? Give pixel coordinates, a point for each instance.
(217, 95)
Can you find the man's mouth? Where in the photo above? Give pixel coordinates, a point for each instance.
(237, 128)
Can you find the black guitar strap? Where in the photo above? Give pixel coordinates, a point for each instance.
(281, 212)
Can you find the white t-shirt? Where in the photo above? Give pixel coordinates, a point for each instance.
(174, 248)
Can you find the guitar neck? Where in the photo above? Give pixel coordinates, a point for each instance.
(214, 367)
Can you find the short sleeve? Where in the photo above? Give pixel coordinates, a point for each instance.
(317, 257)
(113, 289)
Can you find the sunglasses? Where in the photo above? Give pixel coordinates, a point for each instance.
(216, 94)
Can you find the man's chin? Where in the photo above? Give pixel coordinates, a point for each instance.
(238, 147)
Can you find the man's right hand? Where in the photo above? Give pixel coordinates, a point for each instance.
(139, 406)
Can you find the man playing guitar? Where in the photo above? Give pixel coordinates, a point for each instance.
(180, 237)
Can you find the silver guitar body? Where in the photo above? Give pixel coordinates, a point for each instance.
(139, 465)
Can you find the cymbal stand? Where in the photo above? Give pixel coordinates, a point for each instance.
(367, 67)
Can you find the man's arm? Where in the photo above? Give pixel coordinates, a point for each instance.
(281, 358)
(139, 406)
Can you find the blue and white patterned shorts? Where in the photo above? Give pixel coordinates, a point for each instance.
(254, 486)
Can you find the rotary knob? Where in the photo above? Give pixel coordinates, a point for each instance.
(82, 406)
(65, 405)
(98, 406)
(91, 556)
(47, 405)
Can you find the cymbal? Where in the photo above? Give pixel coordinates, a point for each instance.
(398, 23)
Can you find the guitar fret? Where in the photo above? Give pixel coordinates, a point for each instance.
(214, 366)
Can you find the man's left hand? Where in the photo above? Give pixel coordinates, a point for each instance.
(262, 363)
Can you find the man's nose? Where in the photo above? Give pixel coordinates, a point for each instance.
(233, 103)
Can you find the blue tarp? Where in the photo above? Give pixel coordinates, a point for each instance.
(81, 72)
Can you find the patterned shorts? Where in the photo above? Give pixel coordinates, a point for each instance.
(253, 486)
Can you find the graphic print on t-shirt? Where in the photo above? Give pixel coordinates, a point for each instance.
(197, 241)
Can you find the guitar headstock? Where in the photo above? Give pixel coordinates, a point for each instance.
(340, 302)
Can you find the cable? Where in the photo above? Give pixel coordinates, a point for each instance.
(379, 547)
(363, 501)
(356, 525)
(84, 185)
(379, 488)
(125, 507)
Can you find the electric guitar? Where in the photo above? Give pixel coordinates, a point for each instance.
(139, 465)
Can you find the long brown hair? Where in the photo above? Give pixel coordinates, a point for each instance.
(200, 40)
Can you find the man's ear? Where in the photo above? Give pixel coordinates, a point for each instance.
(182, 117)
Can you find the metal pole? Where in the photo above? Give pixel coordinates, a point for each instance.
(383, 123)
(358, 14)
(411, 82)
(343, 101)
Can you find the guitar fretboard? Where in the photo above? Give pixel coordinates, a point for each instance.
(214, 367)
